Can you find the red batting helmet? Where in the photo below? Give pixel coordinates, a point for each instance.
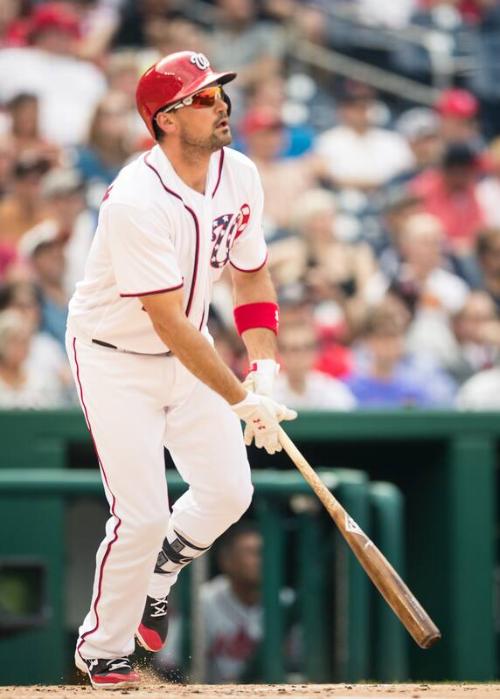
(172, 79)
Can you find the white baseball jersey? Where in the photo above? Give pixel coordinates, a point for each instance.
(156, 234)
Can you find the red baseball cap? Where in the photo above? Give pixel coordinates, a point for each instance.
(459, 103)
(260, 119)
(53, 15)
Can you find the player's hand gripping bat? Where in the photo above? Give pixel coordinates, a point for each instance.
(397, 595)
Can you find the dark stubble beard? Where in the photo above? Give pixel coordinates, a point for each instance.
(195, 146)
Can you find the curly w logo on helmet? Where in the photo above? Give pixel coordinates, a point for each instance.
(200, 61)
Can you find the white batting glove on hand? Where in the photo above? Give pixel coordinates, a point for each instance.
(261, 378)
(262, 416)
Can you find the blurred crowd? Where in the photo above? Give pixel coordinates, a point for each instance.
(382, 215)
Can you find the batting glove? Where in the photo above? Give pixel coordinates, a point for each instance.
(261, 377)
(262, 416)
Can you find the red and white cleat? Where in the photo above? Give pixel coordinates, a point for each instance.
(108, 673)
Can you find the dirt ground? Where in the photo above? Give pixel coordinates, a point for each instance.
(269, 691)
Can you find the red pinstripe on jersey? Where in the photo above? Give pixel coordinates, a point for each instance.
(240, 269)
(113, 505)
(197, 229)
(155, 291)
(221, 163)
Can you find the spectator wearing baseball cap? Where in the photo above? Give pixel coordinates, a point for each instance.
(458, 112)
(449, 192)
(43, 248)
(421, 129)
(67, 88)
(64, 193)
(53, 24)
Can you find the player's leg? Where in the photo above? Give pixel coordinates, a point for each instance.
(122, 398)
(205, 440)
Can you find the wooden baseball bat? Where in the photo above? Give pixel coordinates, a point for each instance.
(395, 592)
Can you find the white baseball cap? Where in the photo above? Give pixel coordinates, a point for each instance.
(43, 233)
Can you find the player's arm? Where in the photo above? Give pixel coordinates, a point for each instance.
(262, 415)
(255, 288)
(166, 312)
(256, 318)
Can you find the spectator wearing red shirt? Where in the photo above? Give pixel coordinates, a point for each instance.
(449, 193)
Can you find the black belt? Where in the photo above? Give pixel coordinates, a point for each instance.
(108, 345)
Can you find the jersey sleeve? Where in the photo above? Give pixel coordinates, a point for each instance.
(249, 250)
(142, 253)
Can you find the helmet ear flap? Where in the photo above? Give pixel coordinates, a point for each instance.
(228, 102)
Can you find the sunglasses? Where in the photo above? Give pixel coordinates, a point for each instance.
(200, 100)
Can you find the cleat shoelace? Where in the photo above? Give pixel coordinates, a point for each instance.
(160, 607)
(117, 663)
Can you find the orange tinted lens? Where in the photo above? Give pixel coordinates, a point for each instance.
(207, 97)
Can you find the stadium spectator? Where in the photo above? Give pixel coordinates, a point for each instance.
(420, 127)
(136, 19)
(488, 255)
(122, 71)
(432, 293)
(358, 154)
(471, 349)
(12, 23)
(458, 112)
(67, 87)
(232, 613)
(110, 142)
(98, 23)
(488, 189)
(421, 281)
(283, 180)
(44, 250)
(45, 354)
(300, 384)
(23, 110)
(381, 377)
(292, 103)
(22, 207)
(252, 46)
(449, 193)
(334, 356)
(7, 160)
(481, 391)
(72, 221)
(166, 35)
(397, 205)
(335, 270)
(21, 384)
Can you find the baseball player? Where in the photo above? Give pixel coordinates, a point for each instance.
(144, 365)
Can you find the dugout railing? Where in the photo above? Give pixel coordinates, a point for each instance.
(338, 614)
(445, 465)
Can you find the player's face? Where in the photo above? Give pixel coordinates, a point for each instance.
(206, 128)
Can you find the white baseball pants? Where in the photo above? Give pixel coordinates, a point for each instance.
(134, 406)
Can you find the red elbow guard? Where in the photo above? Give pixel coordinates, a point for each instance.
(257, 315)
